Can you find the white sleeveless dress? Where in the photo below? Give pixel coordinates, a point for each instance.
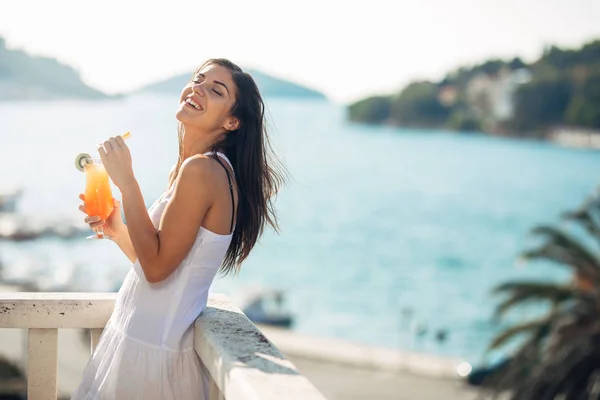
(146, 351)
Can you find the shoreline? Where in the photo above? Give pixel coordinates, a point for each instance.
(345, 352)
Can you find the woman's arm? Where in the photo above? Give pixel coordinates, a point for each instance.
(123, 240)
(160, 251)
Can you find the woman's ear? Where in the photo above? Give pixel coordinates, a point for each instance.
(232, 124)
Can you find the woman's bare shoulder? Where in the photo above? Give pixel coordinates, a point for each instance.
(199, 166)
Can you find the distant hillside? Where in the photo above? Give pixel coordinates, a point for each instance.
(23, 76)
(269, 86)
(508, 97)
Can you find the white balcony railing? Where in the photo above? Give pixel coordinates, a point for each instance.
(242, 362)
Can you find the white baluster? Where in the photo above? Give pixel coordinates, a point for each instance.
(95, 337)
(42, 362)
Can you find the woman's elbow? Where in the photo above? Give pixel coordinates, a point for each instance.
(154, 278)
(155, 274)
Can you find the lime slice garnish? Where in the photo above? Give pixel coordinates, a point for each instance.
(81, 160)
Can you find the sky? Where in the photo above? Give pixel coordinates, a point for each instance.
(347, 49)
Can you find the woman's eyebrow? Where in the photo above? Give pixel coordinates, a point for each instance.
(217, 82)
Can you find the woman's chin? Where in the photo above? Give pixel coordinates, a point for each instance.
(181, 114)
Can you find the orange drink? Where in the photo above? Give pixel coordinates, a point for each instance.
(98, 195)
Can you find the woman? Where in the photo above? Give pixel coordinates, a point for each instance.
(215, 208)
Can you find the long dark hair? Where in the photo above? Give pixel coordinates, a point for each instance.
(258, 171)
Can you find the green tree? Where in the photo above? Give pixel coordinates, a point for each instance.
(540, 104)
(460, 120)
(418, 105)
(373, 110)
(559, 355)
(584, 108)
(516, 63)
(564, 60)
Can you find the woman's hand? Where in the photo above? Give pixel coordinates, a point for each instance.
(117, 161)
(113, 226)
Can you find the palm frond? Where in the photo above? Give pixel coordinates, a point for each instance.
(560, 356)
(585, 217)
(544, 367)
(524, 292)
(562, 374)
(562, 248)
(520, 365)
(534, 327)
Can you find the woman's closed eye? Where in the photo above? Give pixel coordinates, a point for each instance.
(197, 82)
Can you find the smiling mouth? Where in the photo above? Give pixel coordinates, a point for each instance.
(193, 104)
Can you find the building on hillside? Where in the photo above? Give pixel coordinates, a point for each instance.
(491, 97)
(575, 137)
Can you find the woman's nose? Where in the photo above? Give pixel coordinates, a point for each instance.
(198, 89)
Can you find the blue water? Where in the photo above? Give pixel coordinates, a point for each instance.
(374, 221)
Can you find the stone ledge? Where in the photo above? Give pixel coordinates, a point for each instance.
(55, 310)
(242, 361)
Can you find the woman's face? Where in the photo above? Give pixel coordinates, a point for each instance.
(206, 102)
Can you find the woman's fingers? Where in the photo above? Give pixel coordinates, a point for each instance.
(92, 219)
(102, 152)
(96, 225)
(82, 204)
(108, 146)
(114, 143)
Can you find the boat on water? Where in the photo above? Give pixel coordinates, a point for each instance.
(9, 199)
(266, 306)
(17, 226)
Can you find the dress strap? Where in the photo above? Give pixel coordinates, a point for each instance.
(224, 158)
(218, 158)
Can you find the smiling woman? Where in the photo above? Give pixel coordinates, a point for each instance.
(218, 200)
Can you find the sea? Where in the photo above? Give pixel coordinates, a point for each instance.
(389, 237)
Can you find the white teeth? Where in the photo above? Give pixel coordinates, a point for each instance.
(193, 103)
